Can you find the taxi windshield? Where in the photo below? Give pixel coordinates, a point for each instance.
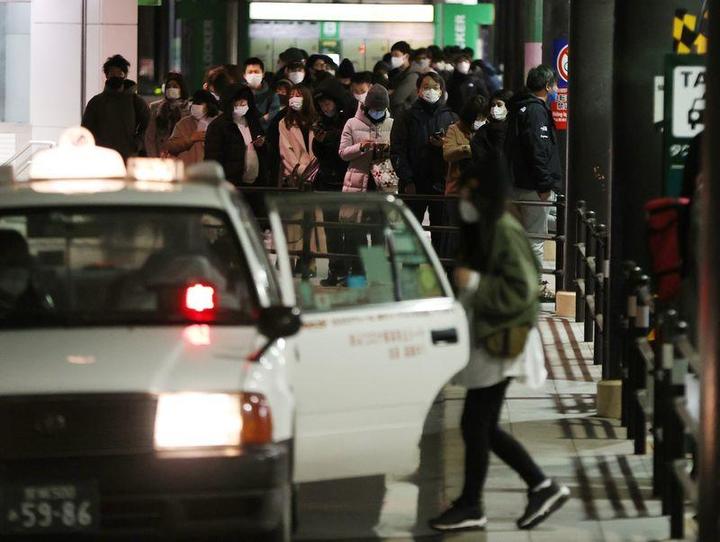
(121, 266)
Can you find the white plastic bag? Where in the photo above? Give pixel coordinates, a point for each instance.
(534, 372)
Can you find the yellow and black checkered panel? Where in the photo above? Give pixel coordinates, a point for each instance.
(701, 42)
(684, 34)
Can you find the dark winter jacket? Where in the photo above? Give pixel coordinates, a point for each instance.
(531, 146)
(488, 154)
(267, 103)
(403, 87)
(462, 88)
(117, 120)
(415, 159)
(332, 168)
(273, 147)
(224, 142)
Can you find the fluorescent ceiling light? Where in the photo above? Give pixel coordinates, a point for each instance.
(377, 13)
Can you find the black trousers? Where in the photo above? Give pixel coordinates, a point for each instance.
(482, 433)
(436, 210)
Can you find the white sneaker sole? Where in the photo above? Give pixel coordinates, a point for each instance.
(550, 506)
(463, 525)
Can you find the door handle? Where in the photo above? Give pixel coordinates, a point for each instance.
(444, 336)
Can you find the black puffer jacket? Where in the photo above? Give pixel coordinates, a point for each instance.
(531, 146)
(332, 168)
(415, 160)
(224, 142)
(464, 87)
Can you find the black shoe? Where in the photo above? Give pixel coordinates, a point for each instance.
(460, 517)
(542, 503)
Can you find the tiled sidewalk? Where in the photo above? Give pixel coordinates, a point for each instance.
(611, 498)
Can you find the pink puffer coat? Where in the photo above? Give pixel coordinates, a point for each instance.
(357, 130)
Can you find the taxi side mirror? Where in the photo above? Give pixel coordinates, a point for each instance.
(278, 322)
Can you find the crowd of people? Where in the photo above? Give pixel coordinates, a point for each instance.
(426, 114)
(424, 122)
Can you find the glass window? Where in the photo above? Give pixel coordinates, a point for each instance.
(349, 254)
(114, 266)
(14, 62)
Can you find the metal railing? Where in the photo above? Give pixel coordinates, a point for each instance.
(656, 355)
(21, 160)
(559, 237)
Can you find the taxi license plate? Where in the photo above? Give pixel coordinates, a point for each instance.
(49, 508)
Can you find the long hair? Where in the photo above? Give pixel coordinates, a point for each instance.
(169, 114)
(307, 115)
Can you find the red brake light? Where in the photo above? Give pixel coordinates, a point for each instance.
(199, 301)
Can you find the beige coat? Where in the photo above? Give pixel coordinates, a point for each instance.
(181, 146)
(456, 148)
(293, 151)
(155, 142)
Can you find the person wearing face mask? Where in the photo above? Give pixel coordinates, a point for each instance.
(365, 140)
(165, 114)
(236, 139)
(117, 119)
(421, 61)
(282, 88)
(496, 279)
(266, 101)
(360, 85)
(295, 73)
(488, 143)
(403, 80)
(464, 84)
(532, 152)
(380, 74)
(187, 141)
(217, 79)
(416, 149)
(345, 73)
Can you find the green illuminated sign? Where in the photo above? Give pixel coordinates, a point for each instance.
(458, 24)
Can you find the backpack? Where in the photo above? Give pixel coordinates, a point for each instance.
(668, 228)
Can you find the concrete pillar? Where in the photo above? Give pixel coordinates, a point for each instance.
(57, 70)
(590, 113)
(643, 33)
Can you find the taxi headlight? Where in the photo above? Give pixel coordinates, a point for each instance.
(192, 420)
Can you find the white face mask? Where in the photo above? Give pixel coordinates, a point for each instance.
(468, 212)
(254, 80)
(297, 77)
(296, 103)
(361, 97)
(479, 124)
(240, 111)
(499, 112)
(331, 72)
(397, 61)
(463, 67)
(216, 96)
(197, 111)
(424, 63)
(431, 95)
(440, 66)
(172, 93)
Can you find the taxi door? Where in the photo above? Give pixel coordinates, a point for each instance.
(382, 332)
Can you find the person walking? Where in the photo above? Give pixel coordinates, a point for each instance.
(165, 114)
(403, 79)
(416, 144)
(497, 283)
(532, 151)
(187, 141)
(117, 119)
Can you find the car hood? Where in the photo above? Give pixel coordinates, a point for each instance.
(130, 360)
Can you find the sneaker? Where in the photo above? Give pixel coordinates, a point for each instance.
(460, 517)
(542, 503)
(546, 293)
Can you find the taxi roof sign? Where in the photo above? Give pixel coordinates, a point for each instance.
(77, 157)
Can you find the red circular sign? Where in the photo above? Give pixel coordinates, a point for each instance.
(562, 63)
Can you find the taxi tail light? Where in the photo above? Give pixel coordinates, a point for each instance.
(256, 419)
(199, 301)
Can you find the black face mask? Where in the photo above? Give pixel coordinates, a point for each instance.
(115, 83)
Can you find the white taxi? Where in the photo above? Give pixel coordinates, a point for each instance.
(162, 374)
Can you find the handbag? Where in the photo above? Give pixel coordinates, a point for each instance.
(386, 180)
(306, 179)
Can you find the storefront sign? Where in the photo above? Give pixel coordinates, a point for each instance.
(459, 24)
